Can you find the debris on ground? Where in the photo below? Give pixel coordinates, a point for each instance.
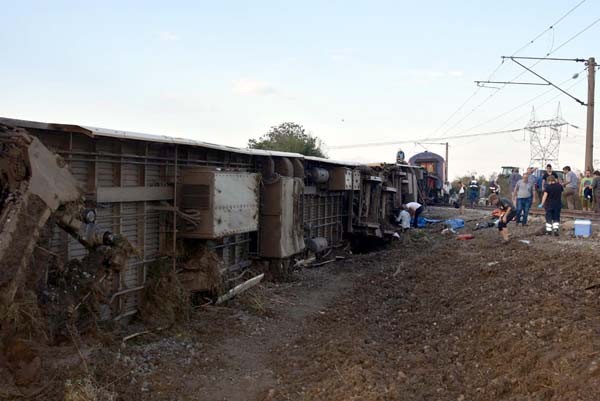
(86, 389)
(165, 300)
(201, 272)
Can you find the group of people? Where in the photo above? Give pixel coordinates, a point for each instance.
(547, 188)
(550, 194)
(579, 192)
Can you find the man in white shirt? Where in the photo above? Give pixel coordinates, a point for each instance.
(446, 191)
(415, 209)
(404, 219)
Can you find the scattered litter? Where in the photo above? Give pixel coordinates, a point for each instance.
(494, 263)
(486, 224)
(454, 224)
(525, 241)
(463, 237)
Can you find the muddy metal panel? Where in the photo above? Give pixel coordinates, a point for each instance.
(324, 216)
(226, 201)
(281, 233)
(340, 179)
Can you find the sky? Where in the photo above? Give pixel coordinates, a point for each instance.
(350, 72)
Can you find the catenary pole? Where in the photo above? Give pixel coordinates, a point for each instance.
(589, 131)
(446, 178)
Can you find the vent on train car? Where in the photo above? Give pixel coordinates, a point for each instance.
(195, 197)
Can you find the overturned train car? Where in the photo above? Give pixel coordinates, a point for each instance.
(228, 207)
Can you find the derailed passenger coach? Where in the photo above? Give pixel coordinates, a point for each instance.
(188, 200)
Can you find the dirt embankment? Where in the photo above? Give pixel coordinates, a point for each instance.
(458, 321)
(431, 318)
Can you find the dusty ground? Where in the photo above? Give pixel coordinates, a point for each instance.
(431, 318)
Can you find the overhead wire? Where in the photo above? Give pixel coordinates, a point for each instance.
(523, 104)
(465, 134)
(523, 73)
(529, 43)
(575, 36)
(551, 27)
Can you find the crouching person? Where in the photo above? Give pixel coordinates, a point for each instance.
(403, 219)
(414, 209)
(552, 201)
(508, 213)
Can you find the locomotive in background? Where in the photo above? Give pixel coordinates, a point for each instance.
(434, 175)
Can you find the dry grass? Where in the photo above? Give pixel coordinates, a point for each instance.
(86, 389)
(255, 301)
(165, 300)
(23, 317)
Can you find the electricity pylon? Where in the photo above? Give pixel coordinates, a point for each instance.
(544, 139)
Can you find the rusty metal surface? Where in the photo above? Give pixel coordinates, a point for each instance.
(281, 233)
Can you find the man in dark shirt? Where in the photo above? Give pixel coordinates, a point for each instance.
(552, 201)
(473, 191)
(508, 213)
(546, 174)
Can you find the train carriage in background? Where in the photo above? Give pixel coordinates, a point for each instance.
(435, 167)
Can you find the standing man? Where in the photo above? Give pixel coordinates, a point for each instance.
(586, 192)
(513, 179)
(552, 201)
(494, 188)
(523, 196)
(508, 213)
(571, 186)
(462, 193)
(533, 180)
(473, 191)
(446, 191)
(414, 209)
(546, 174)
(539, 184)
(596, 189)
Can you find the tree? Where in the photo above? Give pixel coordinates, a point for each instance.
(289, 137)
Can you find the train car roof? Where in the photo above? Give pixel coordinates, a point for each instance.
(138, 136)
(330, 161)
(425, 155)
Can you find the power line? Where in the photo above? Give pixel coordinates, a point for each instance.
(551, 27)
(529, 43)
(418, 141)
(525, 103)
(466, 135)
(576, 35)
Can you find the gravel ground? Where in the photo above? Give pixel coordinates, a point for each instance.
(430, 318)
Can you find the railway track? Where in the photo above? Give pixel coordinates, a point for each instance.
(574, 214)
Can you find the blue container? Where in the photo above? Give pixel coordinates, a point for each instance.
(583, 228)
